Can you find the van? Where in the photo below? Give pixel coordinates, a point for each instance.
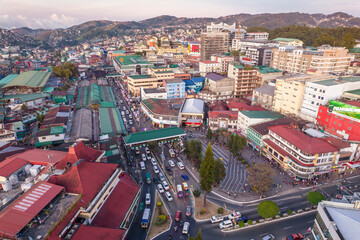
(225, 224)
(142, 165)
(172, 153)
(147, 199)
(186, 228)
(216, 218)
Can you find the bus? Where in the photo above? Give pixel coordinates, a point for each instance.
(172, 153)
(148, 178)
(179, 191)
(146, 218)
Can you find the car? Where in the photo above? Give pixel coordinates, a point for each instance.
(168, 169)
(186, 228)
(234, 215)
(148, 156)
(147, 150)
(268, 237)
(188, 211)
(147, 199)
(216, 218)
(185, 186)
(142, 165)
(153, 161)
(185, 177)
(225, 224)
(168, 196)
(295, 236)
(121, 101)
(131, 122)
(178, 215)
(160, 188)
(156, 169)
(242, 219)
(171, 163)
(166, 185)
(180, 165)
(127, 111)
(130, 116)
(122, 113)
(124, 108)
(143, 157)
(162, 177)
(156, 180)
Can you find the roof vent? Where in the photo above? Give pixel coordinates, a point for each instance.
(78, 162)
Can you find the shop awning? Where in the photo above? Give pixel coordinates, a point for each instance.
(191, 121)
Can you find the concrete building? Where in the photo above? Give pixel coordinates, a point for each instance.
(223, 120)
(268, 74)
(337, 220)
(289, 42)
(192, 113)
(223, 60)
(131, 64)
(299, 154)
(257, 35)
(217, 87)
(246, 79)
(324, 60)
(213, 43)
(209, 66)
(259, 51)
(320, 92)
(249, 118)
(159, 93)
(175, 88)
(263, 96)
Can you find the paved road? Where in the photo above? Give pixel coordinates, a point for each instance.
(236, 177)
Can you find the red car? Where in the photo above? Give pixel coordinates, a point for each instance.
(296, 236)
(178, 215)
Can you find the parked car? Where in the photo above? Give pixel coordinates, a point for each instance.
(156, 169)
(216, 218)
(188, 211)
(142, 165)
(131, 122)
(185, 177)
(130, 116)
(295, 236)
(124, 108)
(171, 163)
(186, 228)
(162, 177)
(147, 199)
(127, 111)
(225, 224)
(143, 157)
(153, 161)
(160, 188)
(180, 165)
(168, 169)
(268, 237)
(168, 196)
(166, 185)
(178, 215)
(147, 150)
(234, 215)
(243, 219)
(185, 186)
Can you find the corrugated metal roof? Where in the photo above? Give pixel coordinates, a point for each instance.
(193, 106)
(153, 135)
(32, 79)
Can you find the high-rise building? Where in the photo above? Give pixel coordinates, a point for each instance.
(213, 43)
(246, 79)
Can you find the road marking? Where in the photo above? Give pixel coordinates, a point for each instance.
(310, 221)
(287, 227)
(263, 234)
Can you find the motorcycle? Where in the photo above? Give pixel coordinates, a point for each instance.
(176, 228)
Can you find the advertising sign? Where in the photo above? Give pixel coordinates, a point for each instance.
(345, 109)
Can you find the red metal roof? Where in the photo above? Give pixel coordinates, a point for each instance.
(19, 213)
(223, 114)
(113, 211)
(40, 156)
(309, 145)
(10, 165)
(208, 62)
(95, 233)
(241, 106)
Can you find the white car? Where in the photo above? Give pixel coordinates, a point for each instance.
(147, 150)
(143, 157)
(168, 196)
(130, 116)
(147, 199)
(156, 169)
(162, 177)
(122, 113)
(225, 224)
(166, 185)
(153, 161)
(148, 156)
(160, 188)
(216, 218)
(124, 108)
(171, 163)
(186, 228)
(180, 165)
(234, 215)
(268, 237)
(130, 122)
(127, 111)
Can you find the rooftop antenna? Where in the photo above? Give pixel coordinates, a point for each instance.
(239, 29)
(51, 164)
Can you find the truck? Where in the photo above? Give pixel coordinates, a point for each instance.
(148, 178)
(133, 129)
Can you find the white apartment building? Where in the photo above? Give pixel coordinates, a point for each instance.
(209, 66)
(321, 92)
(257, 35)
(157, 93)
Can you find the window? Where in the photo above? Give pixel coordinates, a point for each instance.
(339, 124)
(349, 128)
(334, 122)
(43, 138)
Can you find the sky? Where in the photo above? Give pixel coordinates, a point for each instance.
(65, 13)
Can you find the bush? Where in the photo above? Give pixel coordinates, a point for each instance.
(267, 209)
(220, 210)
(203, 211)
(241, 224)
(160, 220)
(315, 197)
(159, 203)
(289, 212)
(281, 215)
(249, 222)
(196, 193)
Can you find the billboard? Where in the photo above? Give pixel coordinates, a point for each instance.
(195, 48)
(345, 109)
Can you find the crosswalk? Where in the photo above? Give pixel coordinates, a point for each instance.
(236, 177)
(217, 151)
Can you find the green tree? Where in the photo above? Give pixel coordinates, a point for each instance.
(348, 41)
(65, 71)
(235, 53)
(217, 135)
(209, 134)
(220, 171)
(267, 209)
(315, 197)
(236, 144)
(153, 146)
(40, 117)
(207, 172)
(260, 177)
(198, 236)
(326, 39)
(24, 107)
(193, 151)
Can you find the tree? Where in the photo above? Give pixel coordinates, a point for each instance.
(24, 107)
(315, 197)
(236, 144)
(217, 135)
(198, 236)
(65, 71)
(220, 171)
(235, 53)
(193, 151)
(153, 146)
(348, 41)
(209, 134)
(267, 209)
(40, 117)
(326, 39)
(260, 177)
(207, 172)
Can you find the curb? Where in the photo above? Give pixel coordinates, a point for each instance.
(267, 222)
(171, 222)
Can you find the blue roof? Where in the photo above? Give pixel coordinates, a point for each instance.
(198, 79)
(189, 82)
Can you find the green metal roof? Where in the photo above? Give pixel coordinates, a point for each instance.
(33, 79)
(41, 144)
(111, 121)
(57, 130)
(26, 97)
(286, 39)
(159, 67)
(7, 79)
(266, 69)
(153, 135)
(355, 92)
(140, 76)
(48, 89)
(354, 50)
(239, 66)
(262, 114)
(131, 60)
(332, 82)
(164, 72)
